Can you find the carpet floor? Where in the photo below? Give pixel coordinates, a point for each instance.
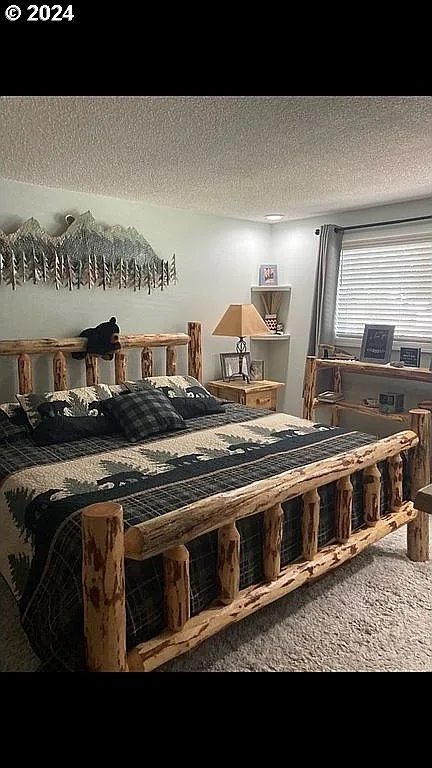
(373, 614)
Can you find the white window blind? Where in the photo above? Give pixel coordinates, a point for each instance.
(386, 279)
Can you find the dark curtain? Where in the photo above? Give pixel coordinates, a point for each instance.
(323, 310)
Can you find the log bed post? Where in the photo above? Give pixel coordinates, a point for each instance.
(344, 509)
(177, 587)
(171, 361)
(92, 375)
(272, 541)
(310, 523)
(104, 587)
(228, 563)
(419, 474)
(25, 379)
(395, 467)
(309, 385)
(59, 371)
(371, 494)
(146, 362)
(120, 367)
(195, 351)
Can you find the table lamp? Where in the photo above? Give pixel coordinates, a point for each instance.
(241, 320)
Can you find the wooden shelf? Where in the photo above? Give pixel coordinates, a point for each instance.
(374, 369)
(364, 409)
(271, 337)
(272, 347)
(339, 365)
(269, 288)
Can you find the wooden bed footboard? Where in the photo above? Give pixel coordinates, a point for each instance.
(105, 546)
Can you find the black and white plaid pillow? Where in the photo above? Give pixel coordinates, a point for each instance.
(143, 413)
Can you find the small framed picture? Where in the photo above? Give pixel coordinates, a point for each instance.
(268, 274)
(411, 356)
(257, 370)
(377, 343)
(231, 367)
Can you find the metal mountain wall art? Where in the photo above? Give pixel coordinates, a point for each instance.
(86, 255)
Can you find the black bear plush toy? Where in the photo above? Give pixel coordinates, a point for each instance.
(102, 340)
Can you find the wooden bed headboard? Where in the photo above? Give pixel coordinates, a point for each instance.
(23, 348)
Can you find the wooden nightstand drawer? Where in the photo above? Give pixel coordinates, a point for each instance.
(225, 393)
(263, 399)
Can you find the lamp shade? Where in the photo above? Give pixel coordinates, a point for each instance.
(241, 320)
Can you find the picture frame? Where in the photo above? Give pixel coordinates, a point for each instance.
(230, 365)
(377, 343)
(268, 274)
(411, 356)
(257, 370)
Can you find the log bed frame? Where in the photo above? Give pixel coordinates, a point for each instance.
(105, 545)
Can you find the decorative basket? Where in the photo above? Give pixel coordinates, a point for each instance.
(271, 322)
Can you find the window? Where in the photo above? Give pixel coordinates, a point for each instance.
(385, 279)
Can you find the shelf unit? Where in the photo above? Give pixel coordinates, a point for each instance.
(314, 364)
(271, 337)
(272, 348)
(270, 288)
(359, 408)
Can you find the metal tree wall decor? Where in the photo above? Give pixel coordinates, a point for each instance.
(87, 255)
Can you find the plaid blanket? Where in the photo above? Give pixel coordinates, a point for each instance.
(40, 553)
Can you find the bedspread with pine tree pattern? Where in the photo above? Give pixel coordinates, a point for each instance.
(40, 549)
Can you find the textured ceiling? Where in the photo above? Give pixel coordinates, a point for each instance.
(240, 156)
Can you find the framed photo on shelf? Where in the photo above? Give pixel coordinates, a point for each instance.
(230, 365)
(268, 274)
(377, 343)
(257, 370)
(411, 356)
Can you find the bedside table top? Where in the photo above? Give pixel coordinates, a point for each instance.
(254, 386)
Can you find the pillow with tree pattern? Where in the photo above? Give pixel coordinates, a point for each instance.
(79, 402)
(172, 386)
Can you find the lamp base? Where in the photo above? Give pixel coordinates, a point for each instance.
(240, 354)
(241, 346)
(241, 349)
(239, 375)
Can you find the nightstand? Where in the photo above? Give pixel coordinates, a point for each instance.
(257, 394)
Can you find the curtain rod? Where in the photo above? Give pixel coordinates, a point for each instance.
(378, 224)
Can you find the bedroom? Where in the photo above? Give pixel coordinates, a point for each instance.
(196, 176)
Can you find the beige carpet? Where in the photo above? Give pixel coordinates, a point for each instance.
(372, 614)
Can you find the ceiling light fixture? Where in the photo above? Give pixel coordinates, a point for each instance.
(274, 217)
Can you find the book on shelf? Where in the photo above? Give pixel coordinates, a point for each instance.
(330, 397)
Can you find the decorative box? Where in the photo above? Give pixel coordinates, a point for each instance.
(271, 322)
